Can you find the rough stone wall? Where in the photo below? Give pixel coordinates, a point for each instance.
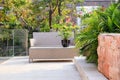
(109, 55)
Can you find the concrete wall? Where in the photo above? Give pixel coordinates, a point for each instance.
(104, 3)
(109, 55)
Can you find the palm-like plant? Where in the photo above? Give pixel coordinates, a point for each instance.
(87, 38)
(65, 32)
(98, 22)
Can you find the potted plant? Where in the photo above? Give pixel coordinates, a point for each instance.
(65, 32)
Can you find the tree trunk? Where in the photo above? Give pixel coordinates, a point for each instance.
(50, 18)
(51, 11)
(59, 8)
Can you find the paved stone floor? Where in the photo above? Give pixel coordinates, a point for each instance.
(2, 59)
(18, 68)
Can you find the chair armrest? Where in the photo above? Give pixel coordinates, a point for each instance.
(32, 42)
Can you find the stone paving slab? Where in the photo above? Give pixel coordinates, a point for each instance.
(88, 71)
(2, 59)
(19, 68)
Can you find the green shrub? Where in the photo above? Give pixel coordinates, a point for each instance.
(100, 21)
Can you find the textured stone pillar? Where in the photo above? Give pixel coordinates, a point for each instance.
(109, 55)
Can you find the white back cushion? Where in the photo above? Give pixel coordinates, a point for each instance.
(46, 38)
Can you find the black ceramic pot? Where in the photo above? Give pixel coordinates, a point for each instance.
(65, 43)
